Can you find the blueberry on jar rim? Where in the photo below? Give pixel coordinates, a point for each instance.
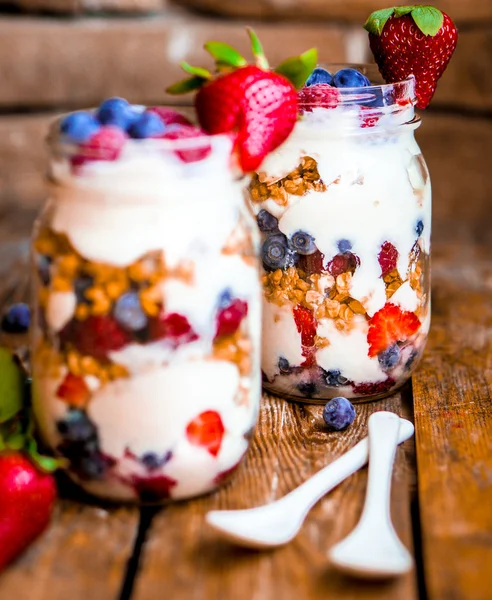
(319, 75)
(350, 78)
(276, 253)
(148, 125)
(79, 126)
(302, 243)
(118, 112)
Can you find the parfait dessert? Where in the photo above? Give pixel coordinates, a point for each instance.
(344, 210)
(146, 341)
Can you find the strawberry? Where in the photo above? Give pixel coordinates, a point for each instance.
(96, 336)
(387, 257)
(412, 40)
(206, 430)
(306, 324)
(27, 498)
(390, 325)
(320, 95)
(74, 391)
(257, 103)
(173, 327)
(229, 318)
(202, 149)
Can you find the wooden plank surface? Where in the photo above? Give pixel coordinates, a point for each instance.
(185, 558)
(453, 417)
(84, 552)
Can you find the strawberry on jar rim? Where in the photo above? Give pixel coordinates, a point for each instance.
(256, 102)
(412, 40)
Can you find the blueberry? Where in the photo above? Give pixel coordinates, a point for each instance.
(129, 313)
(339, 413)
(225, 299)
(266, 221)
(147, 125)
(319, 75)
(284, 366)
(43, 265)
(81, 285)
(79, 126)
(307, 388)
(302, 243)
(419, 228)
(389, 358)
(350, 78)
(344, 246)
(17, 319)
(77, 428)
(153, 461)
(118, 112)
(276, 253)
(334, 378)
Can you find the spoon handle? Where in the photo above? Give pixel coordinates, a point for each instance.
(307, 494)
(383, 439)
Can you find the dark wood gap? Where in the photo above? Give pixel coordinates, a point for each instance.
(147, 514)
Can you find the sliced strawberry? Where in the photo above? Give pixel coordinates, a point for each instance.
(96, 336)
(105, 144)
(206, 430)
(321, 95)
(74, 391)
(229, 319)
(390, 325)
(412, 40)
(388, 258)
(311, 263)
(189, 132)
(306, 324)
(371, 389)
(173, 327)
(169, 116)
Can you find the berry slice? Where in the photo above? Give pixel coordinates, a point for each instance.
(390, 325)
(74, 391)
(206, 430)
(229, 319)
(388, 258)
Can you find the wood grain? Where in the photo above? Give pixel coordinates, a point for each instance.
(84, 552)
(453, 418)
(188, 560)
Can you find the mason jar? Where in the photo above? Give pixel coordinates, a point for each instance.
(344, 207)
(147, 296)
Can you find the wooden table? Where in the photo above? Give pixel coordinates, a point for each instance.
(442, 486)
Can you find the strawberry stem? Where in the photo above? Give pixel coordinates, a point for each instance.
(225, 55)
(428, 19)
(186, 85)
(257, 49)
(197, 71)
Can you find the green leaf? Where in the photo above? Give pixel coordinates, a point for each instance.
(198, 71)
(16, 441)
(298, 68)
(225, 54)
(45, 463)
(376, 22)
(11, 386)
(400, 11)
(428, 19)
(257, 49)
(186, 85)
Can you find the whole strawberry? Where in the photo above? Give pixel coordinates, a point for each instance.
(27, 497)
(256, 103)
(418, 40)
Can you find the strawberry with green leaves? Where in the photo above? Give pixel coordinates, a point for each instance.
(256, 103)
(27, 486)
(412, 40)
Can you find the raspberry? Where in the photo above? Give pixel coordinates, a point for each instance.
(200, 152)
(206, 430)
(306, 325)
(105, 144)
(74, 391)
(321, 95)
(387, 257)
(96, 336)
(229, 318)
(311, 263)
(341, 263)
(390, 325)
(173, 327)
(371, 389)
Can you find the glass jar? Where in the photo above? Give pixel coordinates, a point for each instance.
(145, 351)
(344, 206)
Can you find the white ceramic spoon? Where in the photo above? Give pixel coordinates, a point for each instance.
(373, 549)
(277, 523)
